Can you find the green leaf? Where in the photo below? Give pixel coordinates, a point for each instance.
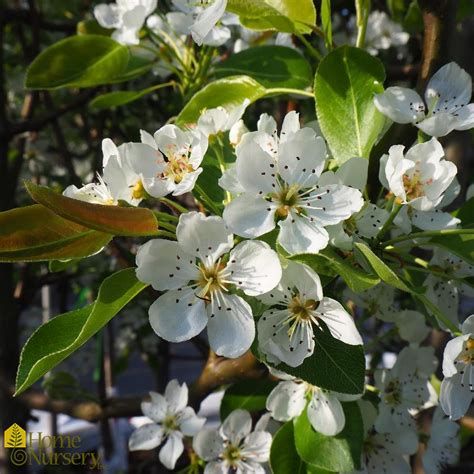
(55, 340)
(466, 213)
(333, 366)
(228, 93)
(62, 265)
(117, 98)
(245, 395)
(259, 15)
(346, 81)
(338, 453)
(283, 456)
(78, 61)
(34, 233)
(137, 66)
(326, 23)
(127, 221)
(413, 21)
(271, 66)
(92, 27)
(381, 269)
(357, 279)
(301, 12)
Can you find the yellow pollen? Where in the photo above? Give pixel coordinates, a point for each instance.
(210, 281)
(138, 191)
(467, 355)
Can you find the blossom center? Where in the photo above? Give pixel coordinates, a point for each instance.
(287, 199)
(177, 165)
(138, 191)
(210, 280)
(393, 393)
(170, 423)
(467, 355)
(302, 310)
(414, 186)
(232, 455)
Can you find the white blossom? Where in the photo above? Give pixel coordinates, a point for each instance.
(412, 326)
(324, 410)
(446, 106)
(443, 444)
(457, 387)
(214, 121)
(179, 153)
(280, 178)
(419, 179)
(200, 20)
(403, 389)
(171, 419)
(234, 447)
(445, 292)
(377, 301)
(126, 17)
(286, 331)
(130, 171)
(196, 273)
(383, 33)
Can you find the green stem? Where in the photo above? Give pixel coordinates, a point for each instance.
(362, 9)
(164, 216)
(207, 200)
(311, 49)
(165, 233)
(286, 90)
(173, 205)
(427, 234)
(395, 210)
(218, 150)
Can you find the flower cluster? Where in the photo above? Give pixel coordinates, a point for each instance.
(252, 270)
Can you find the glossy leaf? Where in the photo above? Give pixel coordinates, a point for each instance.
(34, 233)
(345, 84)
(333, 366)
(55, 340)
(340, 453)
(78, 61)
(328, 262)
(326, 23)
(117, 98)
(127, 221)
(259, 15)
(271, 66)
(247, 396)
(229, 92)
(283, 456)
(137, 66)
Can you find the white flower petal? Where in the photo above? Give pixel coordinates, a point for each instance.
(236, 426)
(165, 265)
(370, 220)
(156, 409)
(256, 446)
(146, 437)
(286, 401)
(354, 173)
(172, 450)
(338, 321)
(325, 413)
(254, 267)
(206, 20)
(230, 181)
(178, 316)
(256, 168)
(206, 237)
(190, 424)
(208, 443)
(301, 158)
(468, 325)
(176, 396)
(449, 87)
(300, 235)
(400, 104)
(290, 125)
(188, 182)
(231, 328)
(108, 16)
(451, 352)
(250, 216)
(333, 203)
(438, 125)
(412, 326)
(216, 467)
(455, 399)
(465, 117)
(434, 220)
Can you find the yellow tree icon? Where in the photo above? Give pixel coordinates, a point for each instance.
(14, 437)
